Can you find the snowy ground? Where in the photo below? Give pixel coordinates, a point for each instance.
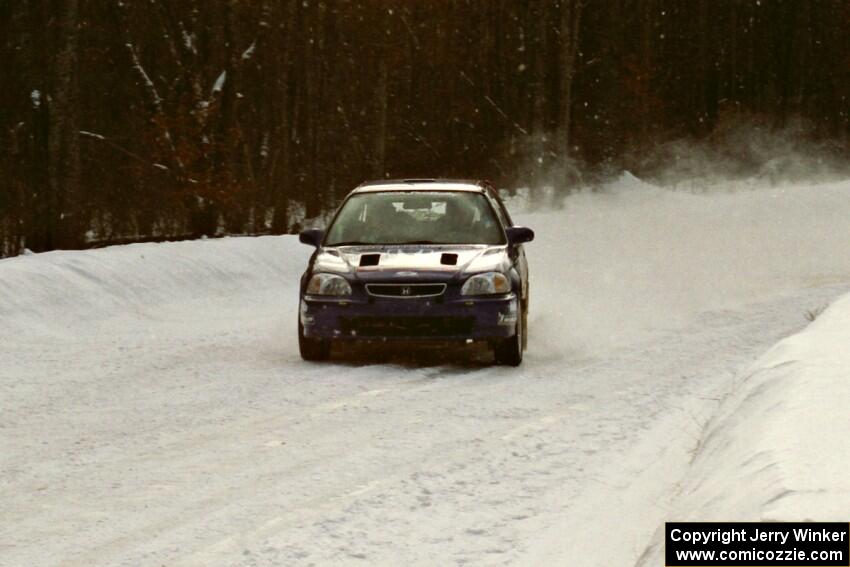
(154, 410)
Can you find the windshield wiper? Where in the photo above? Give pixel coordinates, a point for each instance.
(417, 242)
(351, 243)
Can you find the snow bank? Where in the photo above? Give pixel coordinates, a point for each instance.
(777, 449)
(56, 293)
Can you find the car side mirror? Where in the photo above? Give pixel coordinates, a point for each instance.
(312, 236)
(519, 235)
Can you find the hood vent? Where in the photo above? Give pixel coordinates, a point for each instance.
(369, 260)
(448, 259)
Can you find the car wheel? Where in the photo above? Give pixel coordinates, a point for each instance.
(509, 351)
(312, 349)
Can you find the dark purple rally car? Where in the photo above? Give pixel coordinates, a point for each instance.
(417, 259)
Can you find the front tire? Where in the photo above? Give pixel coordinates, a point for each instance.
(313, 350)
(508, 352)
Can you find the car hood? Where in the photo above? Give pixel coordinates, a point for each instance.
(411, 262)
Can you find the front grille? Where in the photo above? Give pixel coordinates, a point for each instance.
(405, 291)
(407, 326)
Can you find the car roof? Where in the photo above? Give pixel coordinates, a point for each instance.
(421, 185)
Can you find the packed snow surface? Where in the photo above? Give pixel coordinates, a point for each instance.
(154, 409)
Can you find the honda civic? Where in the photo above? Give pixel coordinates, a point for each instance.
(417, 260)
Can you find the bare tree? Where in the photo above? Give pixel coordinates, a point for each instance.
(568, 47)
(66, 214)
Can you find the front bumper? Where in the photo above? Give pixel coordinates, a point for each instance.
(478, 319)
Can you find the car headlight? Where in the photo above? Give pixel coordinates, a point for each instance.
(328, 284)
(490, 283)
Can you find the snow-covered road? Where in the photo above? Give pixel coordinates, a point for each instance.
(154, 410)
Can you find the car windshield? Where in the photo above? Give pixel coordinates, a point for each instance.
(416, 217)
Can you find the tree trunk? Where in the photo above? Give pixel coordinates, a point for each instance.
(380, 159)
(67, 224)
(569, 29)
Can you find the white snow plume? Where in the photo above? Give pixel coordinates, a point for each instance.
(634, 257)
(747, 152)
